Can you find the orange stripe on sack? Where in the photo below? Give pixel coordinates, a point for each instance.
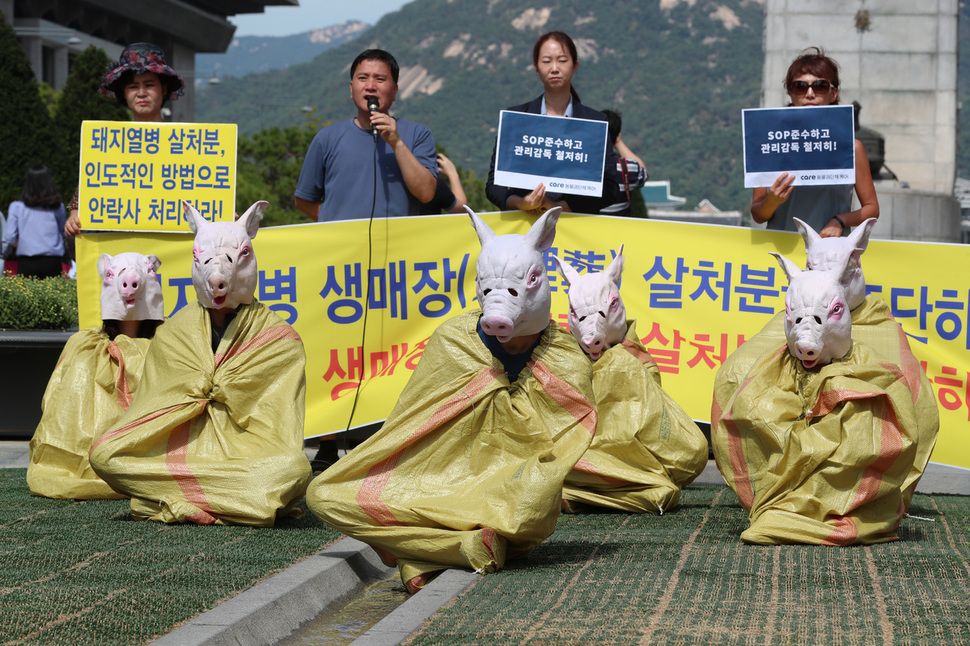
(739, 467)
(639, 353)
(715, 414)
(488, 538)
(573, 401)
(121, 381)
(415, 584)
(388, 557)
(585, 466)
(369, 495)
(176, 461)
(845, 532)
(890, 448)
(265, 337)
(912, 371)
(138, 422)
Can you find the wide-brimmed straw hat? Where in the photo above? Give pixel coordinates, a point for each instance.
(140, 58)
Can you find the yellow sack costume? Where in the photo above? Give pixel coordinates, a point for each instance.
(819, 457)
(874, 326)
(468, 469)
(646, 447)
(90, 389)
(213, 437)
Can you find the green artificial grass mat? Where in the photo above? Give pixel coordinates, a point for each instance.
(83, 572)
(686, 578)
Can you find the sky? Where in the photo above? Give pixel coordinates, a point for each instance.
(311, 14)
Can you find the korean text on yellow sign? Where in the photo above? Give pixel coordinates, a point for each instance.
(133, 176)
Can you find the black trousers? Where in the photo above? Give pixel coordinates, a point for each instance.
(39, 266)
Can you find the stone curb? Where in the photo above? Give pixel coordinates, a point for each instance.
(411, 615)
(274, 609)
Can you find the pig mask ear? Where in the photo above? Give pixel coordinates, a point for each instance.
(809, 235)
(193, 217)
(859, 239)
(250, 219)
(569, 275)
(616, 267)
(484, 232)
(543, 232)
(104, 263)
(860, 235)
(791, 269)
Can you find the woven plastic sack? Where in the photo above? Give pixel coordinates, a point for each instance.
(213, 437)
(872, 324)
(468, 469)
(90, 389)
(646, 447)
(818, 457)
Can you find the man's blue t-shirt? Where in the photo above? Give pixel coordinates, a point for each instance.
(339, 169)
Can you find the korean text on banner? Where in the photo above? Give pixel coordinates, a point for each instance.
(816, 144)
(133, 176)
(565, 154)
(696, 291)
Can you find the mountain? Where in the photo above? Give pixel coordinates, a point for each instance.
(253, 54)
(679, 71)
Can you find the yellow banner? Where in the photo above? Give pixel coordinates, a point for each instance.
(133, 176)
(697, 291)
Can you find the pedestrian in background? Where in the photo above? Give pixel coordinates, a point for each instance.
(35, 225)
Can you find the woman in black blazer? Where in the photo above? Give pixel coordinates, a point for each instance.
(555, 60)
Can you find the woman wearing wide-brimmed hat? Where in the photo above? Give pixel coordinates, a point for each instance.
(143, 81)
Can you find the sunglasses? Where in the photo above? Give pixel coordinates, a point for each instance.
(820, 86)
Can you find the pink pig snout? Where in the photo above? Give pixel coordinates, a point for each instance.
(130, 285)
(808, 346)
(497, 325)
(593, 343)
(218, 284)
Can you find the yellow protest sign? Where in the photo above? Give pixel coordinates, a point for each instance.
(133, 176)
(697, 292)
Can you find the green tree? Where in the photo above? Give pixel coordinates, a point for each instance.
(79, 101)
(26, 132)
(267, 168)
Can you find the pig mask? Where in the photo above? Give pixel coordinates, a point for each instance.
(818, 324)
(129, 287)
(597, 317)
(224, 264)
(826, 253)
(512, 287)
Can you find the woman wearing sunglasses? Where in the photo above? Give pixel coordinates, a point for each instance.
(813, 79)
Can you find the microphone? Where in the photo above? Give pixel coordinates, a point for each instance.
(373, 104)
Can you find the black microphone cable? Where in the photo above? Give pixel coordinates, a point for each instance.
(371, 101)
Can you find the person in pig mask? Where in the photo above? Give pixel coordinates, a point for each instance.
(872, 324)
(215, 435)
(469, 467)
(819, 438)
(647, 448)
(94, 380)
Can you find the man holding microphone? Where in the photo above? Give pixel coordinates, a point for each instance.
(373, 165)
